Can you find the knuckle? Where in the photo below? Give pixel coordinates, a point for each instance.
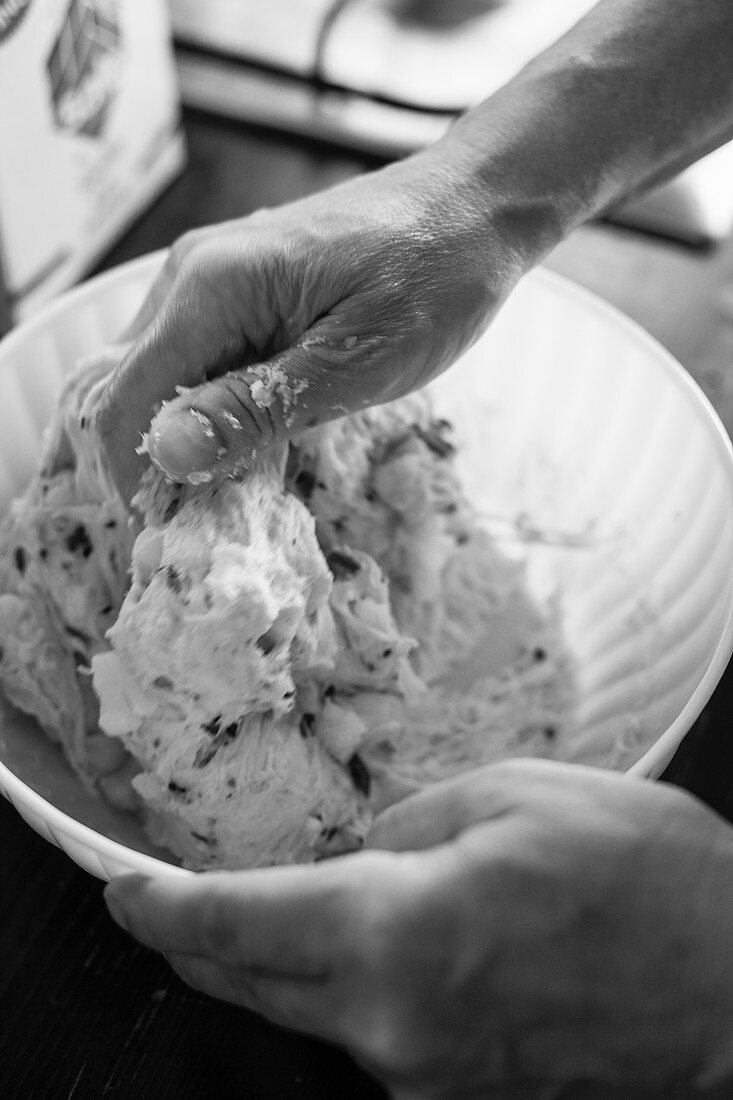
(507, 771)
(182, 247)
(388, 918)
(389, 1039)
(206, 256)
(382, 1037)
(259, 218)
(208, 282)
(505, 780)
(239, 398)
(188, 969)
(189, 270)
(219, 927)
(187, 264)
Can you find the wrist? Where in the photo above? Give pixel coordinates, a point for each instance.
(516, 193)
(632, 94)
(531, 172)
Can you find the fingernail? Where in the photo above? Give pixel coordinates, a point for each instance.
(184, 442)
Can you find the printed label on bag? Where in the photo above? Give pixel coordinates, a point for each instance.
(11, 13)
(85, 66)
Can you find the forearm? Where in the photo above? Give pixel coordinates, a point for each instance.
(634, 92)
(417, 257)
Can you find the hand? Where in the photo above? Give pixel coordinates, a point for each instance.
(296, 315)
(523, 926)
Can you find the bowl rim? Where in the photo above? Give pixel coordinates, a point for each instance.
(649, 765)
(652, 762)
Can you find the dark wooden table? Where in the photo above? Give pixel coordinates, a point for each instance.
(85, 1012)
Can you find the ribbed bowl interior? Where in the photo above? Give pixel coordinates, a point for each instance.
(594, 454)
(591, 454)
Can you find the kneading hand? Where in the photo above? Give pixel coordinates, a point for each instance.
(523, 926)
(296, 315)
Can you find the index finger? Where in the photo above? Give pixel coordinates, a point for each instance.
(285, 920)
(163, 281)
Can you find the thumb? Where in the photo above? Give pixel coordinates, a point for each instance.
(195, 381)
(220, 426)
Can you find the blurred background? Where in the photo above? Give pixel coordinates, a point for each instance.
(95, 136)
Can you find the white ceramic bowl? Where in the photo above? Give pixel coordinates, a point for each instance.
(590, 453)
